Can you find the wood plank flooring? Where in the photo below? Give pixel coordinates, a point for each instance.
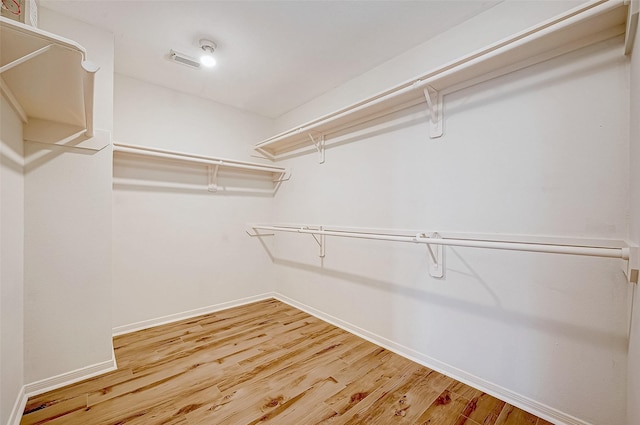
(265, 362)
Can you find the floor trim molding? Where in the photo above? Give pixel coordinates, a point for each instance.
(541, 410)
(18, 407)
(67, 378)
(145, 324)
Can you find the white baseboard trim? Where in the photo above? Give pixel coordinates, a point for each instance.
(68, 378)
(145, 324)
(18, 407)
(541, 410)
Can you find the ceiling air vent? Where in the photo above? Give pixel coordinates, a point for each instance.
(184, 59)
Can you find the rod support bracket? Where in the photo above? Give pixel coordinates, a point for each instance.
(283, 177)
(435, 105)
(319, 145)
(319, 240)
(251, 231)
(212, 171)
(436, 255)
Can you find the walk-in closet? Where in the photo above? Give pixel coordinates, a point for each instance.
(320, 212)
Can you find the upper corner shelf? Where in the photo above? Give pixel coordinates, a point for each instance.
(213, 164)
(587, 24)
(46, 77)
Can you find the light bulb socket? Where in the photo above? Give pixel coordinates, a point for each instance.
(207, 46)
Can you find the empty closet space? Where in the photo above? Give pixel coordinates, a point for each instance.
(265, 362)
(365, 212)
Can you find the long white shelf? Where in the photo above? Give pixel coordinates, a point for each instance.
(587, 24)
(592, 248)
(213, 164)
(46, 79)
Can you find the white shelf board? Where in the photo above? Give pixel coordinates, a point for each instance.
(585, 25)
(213, 164)
(194, 158)
(55, 85)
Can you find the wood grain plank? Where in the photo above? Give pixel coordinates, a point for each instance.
(405, 403)
(484, 409)
(265, 362)
(445, 410)
(511, 415)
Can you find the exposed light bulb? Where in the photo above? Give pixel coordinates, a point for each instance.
(206, 58)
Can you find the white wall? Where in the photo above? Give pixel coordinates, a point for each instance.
(524, 154)
(633, 399)
(499, 22)
(11, 259)
(68, 233)
(180, 250)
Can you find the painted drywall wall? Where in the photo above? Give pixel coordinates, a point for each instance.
(523, 154)
(11, 259)
(178, 250)
(501, 21)
(68, 233)
(633, 392)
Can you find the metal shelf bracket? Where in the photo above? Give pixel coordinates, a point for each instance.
(434, 103)
(436, 255)
(213, 178)
(319, 144)
(25, 58)
(283, 177)
(319, 240)
(13, 101)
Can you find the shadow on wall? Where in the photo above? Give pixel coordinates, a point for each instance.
(495, 312)
(579, 64)
(12, 162)
(138, 174)
(47, 153)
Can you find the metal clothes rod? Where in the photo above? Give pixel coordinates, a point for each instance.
(592, 251)
(120, 181)
(200, 159)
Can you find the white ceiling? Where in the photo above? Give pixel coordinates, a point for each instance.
(272, 55)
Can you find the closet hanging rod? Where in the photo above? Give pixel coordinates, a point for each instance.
(593, 251)
(199, 159)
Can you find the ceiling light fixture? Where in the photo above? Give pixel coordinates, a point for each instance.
(206, 57)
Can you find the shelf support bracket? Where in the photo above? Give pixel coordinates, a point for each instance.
(25, 58)
(434, 103)
(436, 255)
(283, 177)
(320, 241)
(319, 144)
(13, 101)
(213, 178)
(251, 231)
(633, 12)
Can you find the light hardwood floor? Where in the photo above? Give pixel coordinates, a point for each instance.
(265, 362)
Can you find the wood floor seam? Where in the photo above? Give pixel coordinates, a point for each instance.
(265, 363)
